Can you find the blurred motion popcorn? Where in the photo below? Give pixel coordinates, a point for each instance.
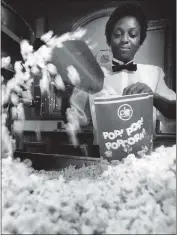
(59, 83)
(5, 62)
(46, 37)
(18, 89)
(73, 75)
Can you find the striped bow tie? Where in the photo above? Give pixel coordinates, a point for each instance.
(117, 67)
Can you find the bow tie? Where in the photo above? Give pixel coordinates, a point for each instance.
(117, 67)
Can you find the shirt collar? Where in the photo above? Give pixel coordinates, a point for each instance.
(121, 62)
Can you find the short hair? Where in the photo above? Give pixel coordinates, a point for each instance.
(124, 10)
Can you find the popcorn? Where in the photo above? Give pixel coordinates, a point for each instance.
(54, 42)
(46, 37)
(72, 130)
(26, 49)
(20, 110)
(73, 75)
(45, 52)
(79, 33)
(52, 69)
(18, 126)
(18, 66)
(35, 63)
(6, 141)
(73, 126)
(44, 83)
(58, 82)
(2, 79)
(64, 37)
(31, 60)
(87, 200)
(14, 98)
(5, 62)
(34, 70)
(4, 95)
(14, 113)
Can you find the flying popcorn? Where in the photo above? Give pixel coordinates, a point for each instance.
(2, 79)
(19, 87)
(52, 69)
(5, 62)
(58, 82)
(31, 61)
(45, 52)
(14, 99)
(72, 117)
(64, 37)
(46, 37)
(18, 66)
(6, 142)
(4, 95)
(18, 126)
(14, 113)
(68, 36)
(20, 111)
(38, 134)
(73, 75)
(37, 62)
(40, 61)
(35, 70)
(54, 42)
(26, 95)
(79, 33)
(44, 83)
(73, 126)
(13, 85)
(26, 49)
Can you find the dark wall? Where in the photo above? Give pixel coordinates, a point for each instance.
(63, 14)
(60, 15)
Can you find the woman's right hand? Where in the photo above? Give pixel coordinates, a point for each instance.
(137, 89)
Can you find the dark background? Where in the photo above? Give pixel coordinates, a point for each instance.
(60, 15)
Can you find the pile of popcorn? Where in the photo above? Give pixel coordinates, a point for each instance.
(136, 196)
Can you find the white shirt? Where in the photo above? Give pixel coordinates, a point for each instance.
(114, 84)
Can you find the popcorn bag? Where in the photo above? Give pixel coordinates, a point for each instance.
(124, 125)
(76, 54)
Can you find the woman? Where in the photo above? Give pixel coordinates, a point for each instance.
(125, 32)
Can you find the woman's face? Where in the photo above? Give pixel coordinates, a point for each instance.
(125, 39)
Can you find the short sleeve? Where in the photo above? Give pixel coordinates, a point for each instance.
(162, 89)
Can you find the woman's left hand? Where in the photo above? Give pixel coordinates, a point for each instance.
(137, 88)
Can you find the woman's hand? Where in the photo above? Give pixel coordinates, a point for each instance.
(137, 88)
